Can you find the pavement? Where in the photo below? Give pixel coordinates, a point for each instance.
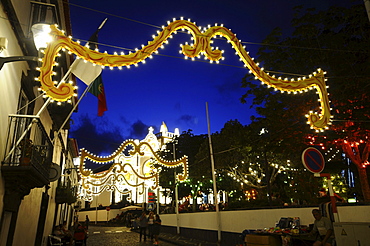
(118, 236)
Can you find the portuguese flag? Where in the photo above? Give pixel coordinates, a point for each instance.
(97, 89)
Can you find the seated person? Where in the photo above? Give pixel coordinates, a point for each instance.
(58, 232)
(322, 229)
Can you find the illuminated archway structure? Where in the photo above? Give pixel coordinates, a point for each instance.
(133, 166)
(202, 45)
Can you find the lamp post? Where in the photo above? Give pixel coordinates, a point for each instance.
(41, 36)
(176, 193)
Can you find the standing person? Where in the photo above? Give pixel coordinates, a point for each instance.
(143, 224)
(322, 229)
(87, 221)
(156, 228)
(150, 225)
(80, 235)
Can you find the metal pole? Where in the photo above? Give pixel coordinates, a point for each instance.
(331, 194)
(215, 194)
(367, 6)
(4, 60)
(158, 202)
(96, 210)
(176, 195)
(333, 202)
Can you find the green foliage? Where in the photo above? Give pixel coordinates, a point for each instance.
(335, 40)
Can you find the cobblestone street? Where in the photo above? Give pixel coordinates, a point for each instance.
(116, 236)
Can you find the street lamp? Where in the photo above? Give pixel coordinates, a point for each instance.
(41, 36)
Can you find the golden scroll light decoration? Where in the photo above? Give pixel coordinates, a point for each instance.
(201, 45)
(119, 173)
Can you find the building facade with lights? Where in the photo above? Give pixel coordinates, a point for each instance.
(130, 174)
(37, 173)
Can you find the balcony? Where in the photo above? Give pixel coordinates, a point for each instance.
(28, 155)
(65, 194)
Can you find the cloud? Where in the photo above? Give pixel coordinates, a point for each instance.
(138, 130)
(189, 120)
(230, 90)
(97, 135)
(101, 137)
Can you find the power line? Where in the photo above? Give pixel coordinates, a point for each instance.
(243, 42)
(182, 58)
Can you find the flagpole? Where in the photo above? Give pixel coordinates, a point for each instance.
(70, 113)
(86, 90)
(70, 67)
(215, 194)
(102, 24)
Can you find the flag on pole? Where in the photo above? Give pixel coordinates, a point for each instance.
(85, 71)
(97, 89)
(90, 73)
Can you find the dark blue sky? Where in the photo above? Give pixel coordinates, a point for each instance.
(168, 88)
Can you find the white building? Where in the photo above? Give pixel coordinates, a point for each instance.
(132, 172)
(34, 145)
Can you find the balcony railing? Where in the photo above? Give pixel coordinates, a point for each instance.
(65, 194)
(28, 145)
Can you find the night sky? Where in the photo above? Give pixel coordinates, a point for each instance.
(169, 88)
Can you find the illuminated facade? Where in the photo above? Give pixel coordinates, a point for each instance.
(133, 170)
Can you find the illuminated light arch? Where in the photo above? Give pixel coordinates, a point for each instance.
(202, 45)
(119, 173)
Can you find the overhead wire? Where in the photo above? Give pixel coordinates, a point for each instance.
(221, 64)
(198, 60)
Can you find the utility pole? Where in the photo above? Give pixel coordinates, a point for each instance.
(176, 194)
(215, 194)
(367, 6)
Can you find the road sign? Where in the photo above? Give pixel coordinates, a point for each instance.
(107, 208)
(313, 160)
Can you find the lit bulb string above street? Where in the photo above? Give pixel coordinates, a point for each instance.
(200, 46)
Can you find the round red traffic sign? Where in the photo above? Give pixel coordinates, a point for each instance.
(107, 208)
(313, 160)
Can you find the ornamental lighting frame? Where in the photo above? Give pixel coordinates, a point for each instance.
(201, 46)
(120, 173)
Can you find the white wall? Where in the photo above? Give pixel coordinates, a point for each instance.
(237, 221)
(98, 215)
(28, 218)
(10, 77)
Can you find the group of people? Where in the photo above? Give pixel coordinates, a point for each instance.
(150, 223)
(78, 234)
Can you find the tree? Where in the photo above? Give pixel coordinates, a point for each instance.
(186, 144)
(336, 40)
(252, 160)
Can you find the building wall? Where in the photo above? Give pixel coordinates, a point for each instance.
(10, 77)
(28, 217)
(10, 83)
